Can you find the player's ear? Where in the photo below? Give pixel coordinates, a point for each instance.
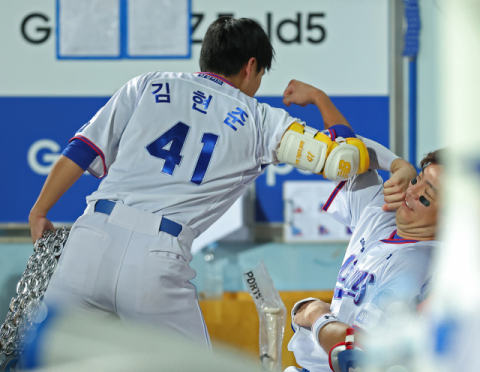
(250, 67)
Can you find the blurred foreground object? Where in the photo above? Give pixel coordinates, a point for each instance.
(447, 339)
(272, 315)
(89, 342)
(27, 308)
(455, 318)
(397, 344)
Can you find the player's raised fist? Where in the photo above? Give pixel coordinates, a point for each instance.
(299, 93)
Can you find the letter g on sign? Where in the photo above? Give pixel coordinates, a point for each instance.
(48, 158)
(41, 33)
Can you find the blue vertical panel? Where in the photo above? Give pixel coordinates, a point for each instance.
(412, 44)
(123, 28)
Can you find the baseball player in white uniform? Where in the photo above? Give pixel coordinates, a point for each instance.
(176, 151)
(387, 259)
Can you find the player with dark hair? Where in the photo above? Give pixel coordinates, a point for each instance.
(387, 259)
(176, 151)
(232, 37)
(434, 157)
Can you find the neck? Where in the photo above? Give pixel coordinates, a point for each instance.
(234, 80)
(415, 235)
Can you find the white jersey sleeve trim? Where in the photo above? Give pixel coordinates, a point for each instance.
(333, 195)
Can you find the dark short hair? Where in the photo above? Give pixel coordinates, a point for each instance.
(434, 157)
(229, 44)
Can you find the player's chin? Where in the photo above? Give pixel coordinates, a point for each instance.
(404, 211)
(405, 215)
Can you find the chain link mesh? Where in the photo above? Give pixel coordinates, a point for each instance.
(30, 289)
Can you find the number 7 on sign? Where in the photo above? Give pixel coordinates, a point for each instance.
(169, 147)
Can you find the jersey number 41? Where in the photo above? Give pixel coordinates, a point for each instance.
(169, 147)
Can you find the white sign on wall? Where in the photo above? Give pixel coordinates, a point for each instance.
(101, 29)
(305, 220)
(89, 28)
(339, 46)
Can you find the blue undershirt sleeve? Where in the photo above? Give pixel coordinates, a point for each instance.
(80, 153)
(343, 131)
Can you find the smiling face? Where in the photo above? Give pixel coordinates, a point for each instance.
(418, 214)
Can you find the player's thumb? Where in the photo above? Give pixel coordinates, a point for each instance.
(289, 89)
(287, 101)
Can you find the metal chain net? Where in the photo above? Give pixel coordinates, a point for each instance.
(30, 289)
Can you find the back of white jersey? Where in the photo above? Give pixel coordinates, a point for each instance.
(182, 145)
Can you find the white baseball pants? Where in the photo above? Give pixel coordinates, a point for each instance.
(121, 264)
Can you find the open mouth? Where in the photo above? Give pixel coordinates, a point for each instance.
(408, 205)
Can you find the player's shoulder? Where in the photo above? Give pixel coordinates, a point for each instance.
(265, 109)
(148, 76)
(365, 193)
(225, 90)
(360, 182)
(153, 75)
(419, 247)
(374, 223)
(197, 78)
(140, 82)
(417, 250)
(415, 256)
(271, 117)
(207, 81)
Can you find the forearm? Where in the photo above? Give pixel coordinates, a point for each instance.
(315, 314)
(62, 176)
(380, 157)
(332, 334)
(399, 163)
(330, 114)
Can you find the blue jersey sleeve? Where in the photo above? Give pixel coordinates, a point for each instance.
(80, 153)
